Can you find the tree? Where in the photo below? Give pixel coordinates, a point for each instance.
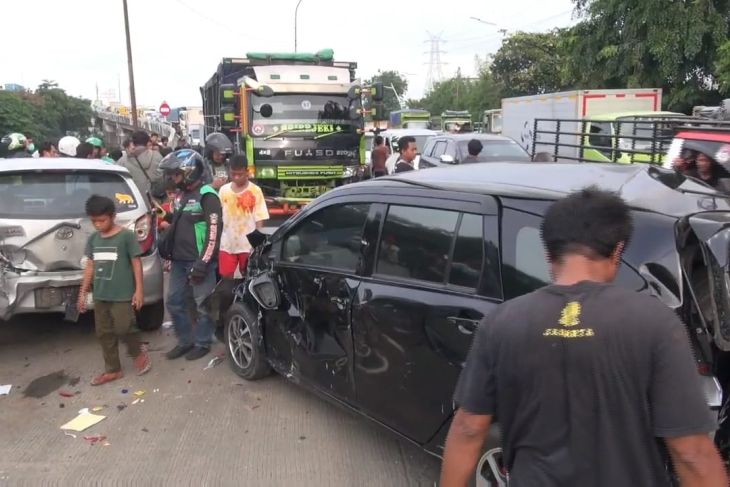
(722, 68)
(533, 63)
(652, 43)
(391, 79)
(49, 113)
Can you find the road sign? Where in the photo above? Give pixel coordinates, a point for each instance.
(164, 109)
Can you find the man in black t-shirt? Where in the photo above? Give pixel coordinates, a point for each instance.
(408, 152)
(584, 376)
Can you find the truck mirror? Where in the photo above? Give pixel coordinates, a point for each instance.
(354, 92)
(265, 91)
(355, 113)
(377, 111)
(377, 92)
(266, 110)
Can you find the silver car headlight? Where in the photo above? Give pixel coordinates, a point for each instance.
(349, 172)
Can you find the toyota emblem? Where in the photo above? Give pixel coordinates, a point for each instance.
(64, 233)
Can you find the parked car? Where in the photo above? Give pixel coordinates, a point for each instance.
(450, 149)
(391, 137)
(371, 295)
(44, 230)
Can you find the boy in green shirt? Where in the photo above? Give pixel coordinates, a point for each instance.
(115, 268)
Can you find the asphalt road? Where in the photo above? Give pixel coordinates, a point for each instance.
(195, 426)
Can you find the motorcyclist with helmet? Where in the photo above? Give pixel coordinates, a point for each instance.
(218, 148)
(191, 243)
(100, 151)
(13, 146)
(67, 146)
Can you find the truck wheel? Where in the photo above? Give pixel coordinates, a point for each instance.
(244, 343)
(150, 317)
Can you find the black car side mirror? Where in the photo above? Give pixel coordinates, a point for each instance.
(265, 291)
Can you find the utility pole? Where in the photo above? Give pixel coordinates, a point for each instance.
(132, 96)
(296, 12)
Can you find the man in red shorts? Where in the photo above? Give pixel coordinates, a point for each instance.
(244, 210)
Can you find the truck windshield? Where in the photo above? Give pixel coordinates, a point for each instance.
(646, 130)
(416, 124)
(302, 114)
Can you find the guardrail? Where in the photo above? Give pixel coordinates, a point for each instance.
(162, 128)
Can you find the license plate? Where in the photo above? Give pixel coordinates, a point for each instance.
(304, 191)
(51, 297)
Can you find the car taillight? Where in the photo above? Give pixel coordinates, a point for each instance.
(145, 231)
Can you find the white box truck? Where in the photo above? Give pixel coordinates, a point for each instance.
(559, 115)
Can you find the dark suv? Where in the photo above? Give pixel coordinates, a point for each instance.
(449, 149)
(371, 295)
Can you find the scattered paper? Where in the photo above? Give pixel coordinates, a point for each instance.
(5, 390)
(69, 434)
(135, 401)
(97, 409)
(83, 421)
(139, 393)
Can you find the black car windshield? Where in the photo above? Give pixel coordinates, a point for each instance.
(495, 151)
(60, 194)
(303, 114)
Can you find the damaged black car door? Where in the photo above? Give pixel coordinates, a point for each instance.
(311, 336)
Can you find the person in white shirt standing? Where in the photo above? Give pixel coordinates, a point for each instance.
(244, 210)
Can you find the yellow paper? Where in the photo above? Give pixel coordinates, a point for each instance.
(139, 393)
(83, 421)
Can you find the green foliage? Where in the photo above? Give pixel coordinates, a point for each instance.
(533, 63)
(672, 45)
(723, 68)
(47, 114)
(459, 93)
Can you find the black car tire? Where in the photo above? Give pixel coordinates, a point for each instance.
(244, 343)
(150, 317)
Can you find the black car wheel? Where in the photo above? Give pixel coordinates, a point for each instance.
(244, 343)
(150, 317)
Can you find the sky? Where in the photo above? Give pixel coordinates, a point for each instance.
(177, 44)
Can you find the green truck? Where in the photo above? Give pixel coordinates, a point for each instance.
(298, 117)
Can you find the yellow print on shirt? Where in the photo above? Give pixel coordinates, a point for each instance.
(569, 317)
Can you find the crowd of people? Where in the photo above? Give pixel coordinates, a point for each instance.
(207, 207)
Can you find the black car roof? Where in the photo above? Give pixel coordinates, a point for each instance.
(642, 186)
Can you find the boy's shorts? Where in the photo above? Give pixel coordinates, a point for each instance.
(227, 263)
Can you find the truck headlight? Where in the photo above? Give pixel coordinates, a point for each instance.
(266, 172)
(349, 172)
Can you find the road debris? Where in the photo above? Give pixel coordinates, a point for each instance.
(213, 362)
(69, 434)
(155, 390)
(83, 421)
(136, 401)
(66, 394)
(97, 409)
(5, 390)
(139, 393)
(120, 407)
(145, 430)
(167, 324)
(94, 439)
(125, 391)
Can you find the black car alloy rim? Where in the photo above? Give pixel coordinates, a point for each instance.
(240, 343)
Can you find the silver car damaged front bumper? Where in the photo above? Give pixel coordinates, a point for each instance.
(48, 292)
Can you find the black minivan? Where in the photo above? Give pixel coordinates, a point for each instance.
(371, 295)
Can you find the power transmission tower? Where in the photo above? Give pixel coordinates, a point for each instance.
(435, 65)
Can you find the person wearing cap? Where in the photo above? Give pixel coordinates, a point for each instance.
(100, 151)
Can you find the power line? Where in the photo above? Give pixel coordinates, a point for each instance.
(219, 24)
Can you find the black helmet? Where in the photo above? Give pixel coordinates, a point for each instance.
(187, 162)
(218, 142)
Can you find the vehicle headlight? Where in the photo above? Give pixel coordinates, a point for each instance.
(349, 172)
(266, 172)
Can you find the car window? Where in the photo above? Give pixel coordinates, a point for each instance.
(451, 149)
(525, 265)
(60, 194)
(428, 148)
(496, 150)
(439, 148)
(415, 243)
(466, 265)
(600, 134)
(331, 237)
